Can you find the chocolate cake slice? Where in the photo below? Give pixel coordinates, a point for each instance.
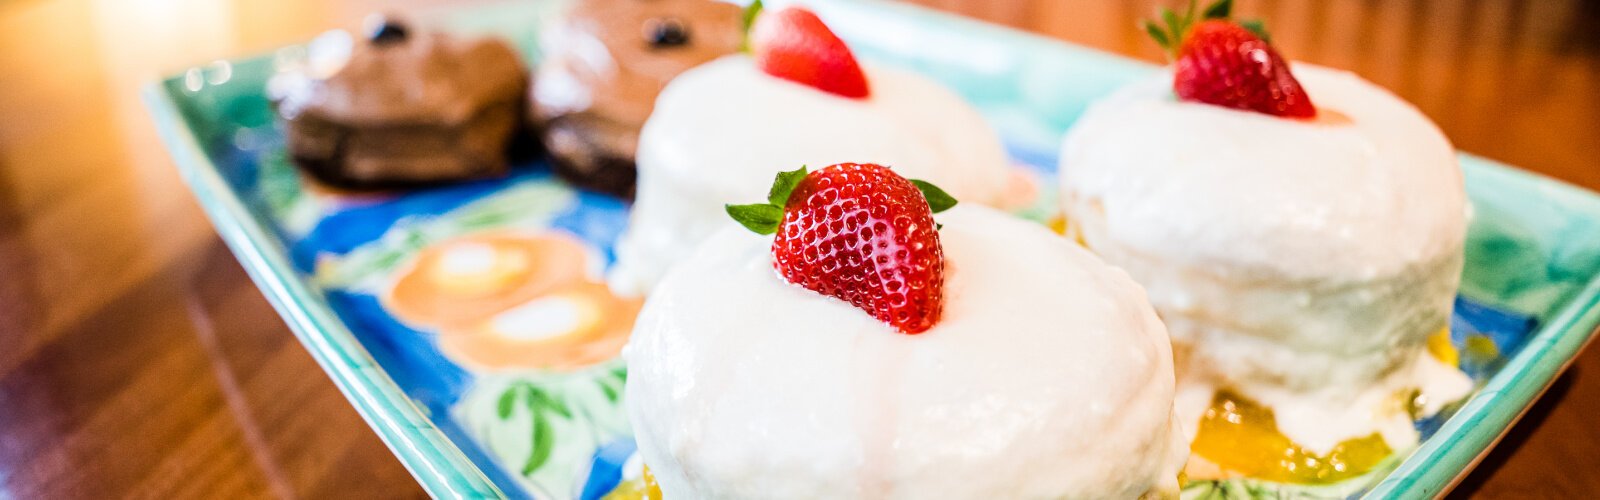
(405, 109)
(606, 61)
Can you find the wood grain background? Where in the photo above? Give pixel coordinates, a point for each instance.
(137, 360)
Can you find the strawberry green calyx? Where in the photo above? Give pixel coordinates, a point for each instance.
(764, 218)
(1221, 9)
(783, 185)
(1170, 32)
(1172, 29)
(748, 20)
(1257, 27)
(938, 200)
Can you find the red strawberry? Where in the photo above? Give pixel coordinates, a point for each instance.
(1229, 64)
(1224, 64)
(794, 45)
(860, 233)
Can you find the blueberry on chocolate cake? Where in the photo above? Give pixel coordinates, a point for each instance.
(405, 108)
(605, 61)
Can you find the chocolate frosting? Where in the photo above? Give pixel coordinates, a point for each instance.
(606, 62)
(402, 109)
(429, 78)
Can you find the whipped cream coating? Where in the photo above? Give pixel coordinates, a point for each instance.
(721, 131)
(1049, 376)
(1302, 263)
(1368, 188)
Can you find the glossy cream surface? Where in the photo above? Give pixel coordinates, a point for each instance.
(721, 131)
(1049, 376)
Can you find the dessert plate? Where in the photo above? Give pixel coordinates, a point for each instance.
(468, 418)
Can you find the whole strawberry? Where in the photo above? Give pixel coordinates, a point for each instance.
(860, 233)
(793, 44)
(1229, 64)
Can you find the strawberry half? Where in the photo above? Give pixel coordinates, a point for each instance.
(793, 44)
(1229, 64)
(860, 233)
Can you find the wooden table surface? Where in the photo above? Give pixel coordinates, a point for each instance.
(137, 359)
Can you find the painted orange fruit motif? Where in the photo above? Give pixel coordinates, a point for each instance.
(504, 301)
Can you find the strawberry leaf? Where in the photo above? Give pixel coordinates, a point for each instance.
(1168, 31)
(1159, 34)
(763, 218)
(938, 200)
(784, 184)
(748, 20)
(1222, 9)
(1172, 28)
(1256, 27)
(1175, 24)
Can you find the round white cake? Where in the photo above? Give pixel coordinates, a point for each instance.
(1049, 376)
(1304, 263)
(719, 132)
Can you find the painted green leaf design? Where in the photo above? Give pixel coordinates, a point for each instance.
(507, 400)
(544, 441)
(279, 184)
(1202, 490)
(524, 205)
(539, 400)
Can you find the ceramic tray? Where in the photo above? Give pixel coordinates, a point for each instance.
(465, 409)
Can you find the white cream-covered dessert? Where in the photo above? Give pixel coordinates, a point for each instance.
(1048, 376)
(718, 131)
(1301, 265)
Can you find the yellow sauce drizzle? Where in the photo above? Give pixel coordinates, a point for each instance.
(1480, 349)
(1063, 226)
(1242, 436)
(1057, 223)
(644, 488)
(1440, 347)
(652, 491)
